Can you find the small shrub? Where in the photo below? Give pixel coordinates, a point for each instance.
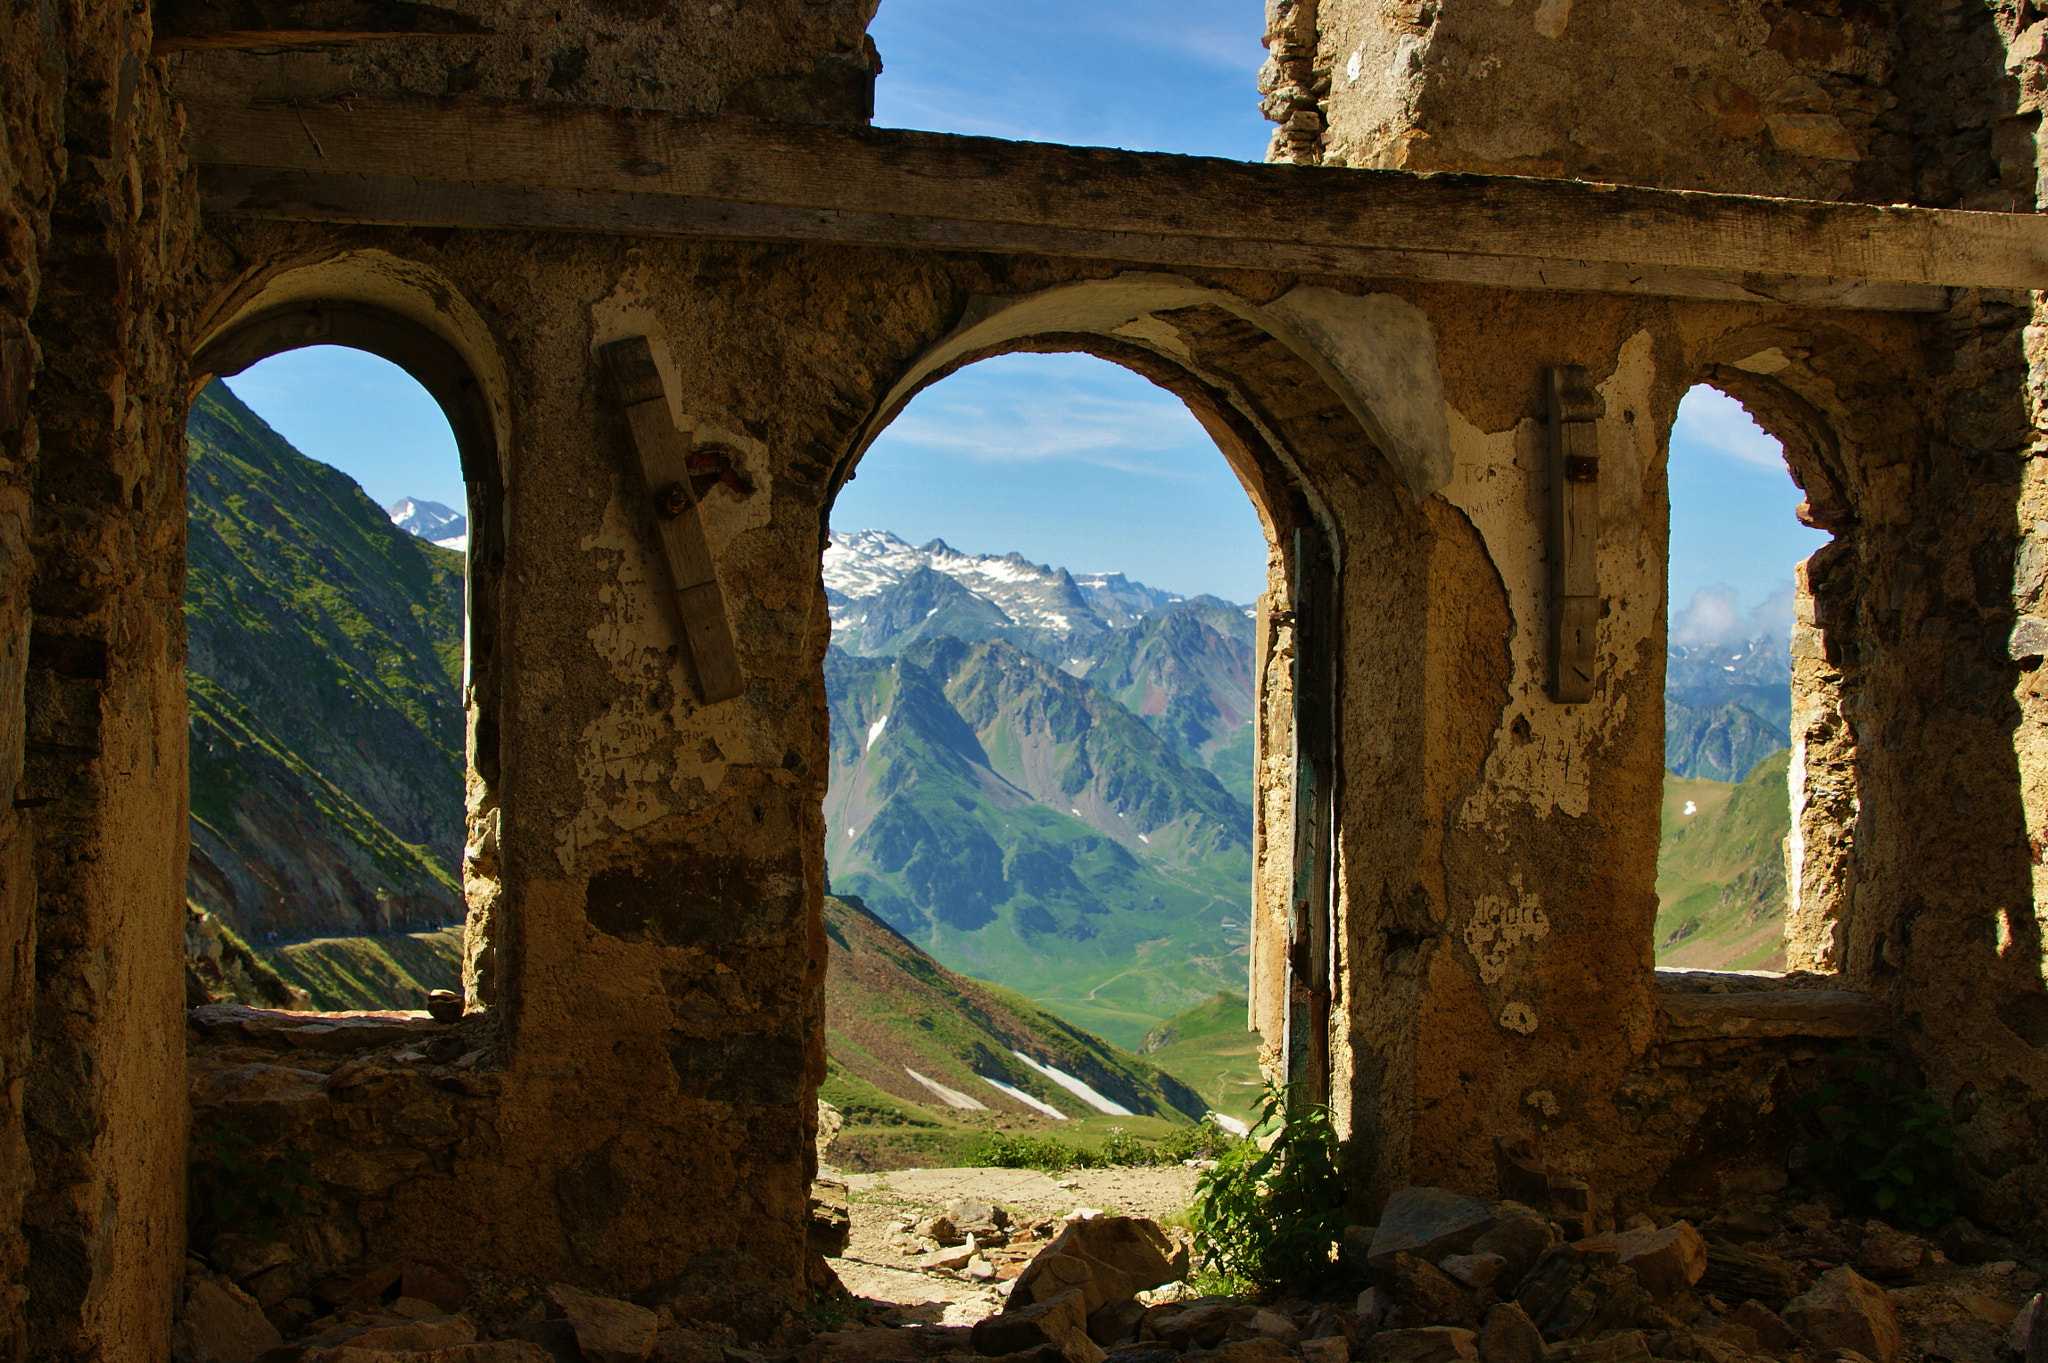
(1207, 1141)
(1120, 1147)
(1884, 1147)
(237, 1187)
(1003, 1150)
(1269, 1218)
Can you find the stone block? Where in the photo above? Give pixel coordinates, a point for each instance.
(1509, 1336)
(1428, 1296)
(1428, 1223)
(1109, 1258)
(222, 1324)
(1201, 1326)
(1060, 1321)
(1519, 1239)
(1666, 1262)
(1844, 1310)
(1276, 1327)
(1430, 1344)
(1116, 1322)
(1772, 1334)
(1334, 1349)
(2028, 1337)
(1473, 1270)
(607, 1330)
(1890, 1255)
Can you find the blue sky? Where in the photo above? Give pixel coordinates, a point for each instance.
(1068, 459)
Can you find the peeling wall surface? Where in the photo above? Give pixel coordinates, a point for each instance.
(632, 1104)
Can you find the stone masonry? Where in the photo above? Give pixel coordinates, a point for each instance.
(628, 1107)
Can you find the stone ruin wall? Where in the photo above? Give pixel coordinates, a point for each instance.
(1920, 629)
(644, 1055)
(99, 212)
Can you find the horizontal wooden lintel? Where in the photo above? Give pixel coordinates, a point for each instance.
(576, 169)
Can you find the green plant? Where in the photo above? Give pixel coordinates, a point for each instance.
(1002, 1150)
(238, 1187)
(1884, 1146)
(1121, 1147)
(1207, 1141)
(1270, 1212)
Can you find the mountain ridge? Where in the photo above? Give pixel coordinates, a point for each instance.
(323, 670)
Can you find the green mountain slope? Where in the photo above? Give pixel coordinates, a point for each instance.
(326, 726)
(1722, 742)
(370, 972)
(1209, 1048)
(1023, 826)
(890, 1009)
(1721, 870)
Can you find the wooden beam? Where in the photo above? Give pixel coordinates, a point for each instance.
(573, 168)
(663, 456)
(202, 25)
(1574, 534)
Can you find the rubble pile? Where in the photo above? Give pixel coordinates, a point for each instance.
(1450, 1278)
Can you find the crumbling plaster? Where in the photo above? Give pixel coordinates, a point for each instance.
(644, 871)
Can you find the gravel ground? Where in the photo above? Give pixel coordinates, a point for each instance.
(880, 1263)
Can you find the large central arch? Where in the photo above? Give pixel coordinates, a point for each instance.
(1334, 444)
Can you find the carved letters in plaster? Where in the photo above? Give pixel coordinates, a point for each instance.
(1498, 925)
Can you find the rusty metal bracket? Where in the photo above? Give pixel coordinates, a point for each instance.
(663, 456)
(1574, 533)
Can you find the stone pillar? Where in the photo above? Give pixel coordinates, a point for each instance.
(1820, 862)
(103, 770)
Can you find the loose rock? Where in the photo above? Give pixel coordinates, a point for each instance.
(1107, 1259)
(1428, 1223)
(1846, 1311)
(1428, 1294)
(222, 1324)
(1474, 1270)
(1060, 1321)
(1772, 1334)
(1431, 1344)
(607, 1330)
(2029, 1334)
(1891, 1255)
(1666, 1262)
(1509, 1336)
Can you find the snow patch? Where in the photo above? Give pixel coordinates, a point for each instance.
(1021, 1096)
(875, 730)
(1691, 809)
(950, 1097)
(1077, 1087)
(1231, 1124)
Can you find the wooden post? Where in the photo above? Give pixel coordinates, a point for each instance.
(1574, 534)
(663, 457)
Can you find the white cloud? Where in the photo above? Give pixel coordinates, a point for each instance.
(1711, 422)
(1715, 617)
(1011, 414)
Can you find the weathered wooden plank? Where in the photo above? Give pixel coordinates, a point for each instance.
(664, 466)
(1790, 1012)
(902, 175)
(201, 25)
(303, 196)
(1574, 534)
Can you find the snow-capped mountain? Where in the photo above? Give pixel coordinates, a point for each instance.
(882, 588)
(1726, 706)
(430, 521)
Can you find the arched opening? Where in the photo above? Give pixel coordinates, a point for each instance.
(1197, 741)
(340, 644)
(1044, 593)
(1745, 681)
